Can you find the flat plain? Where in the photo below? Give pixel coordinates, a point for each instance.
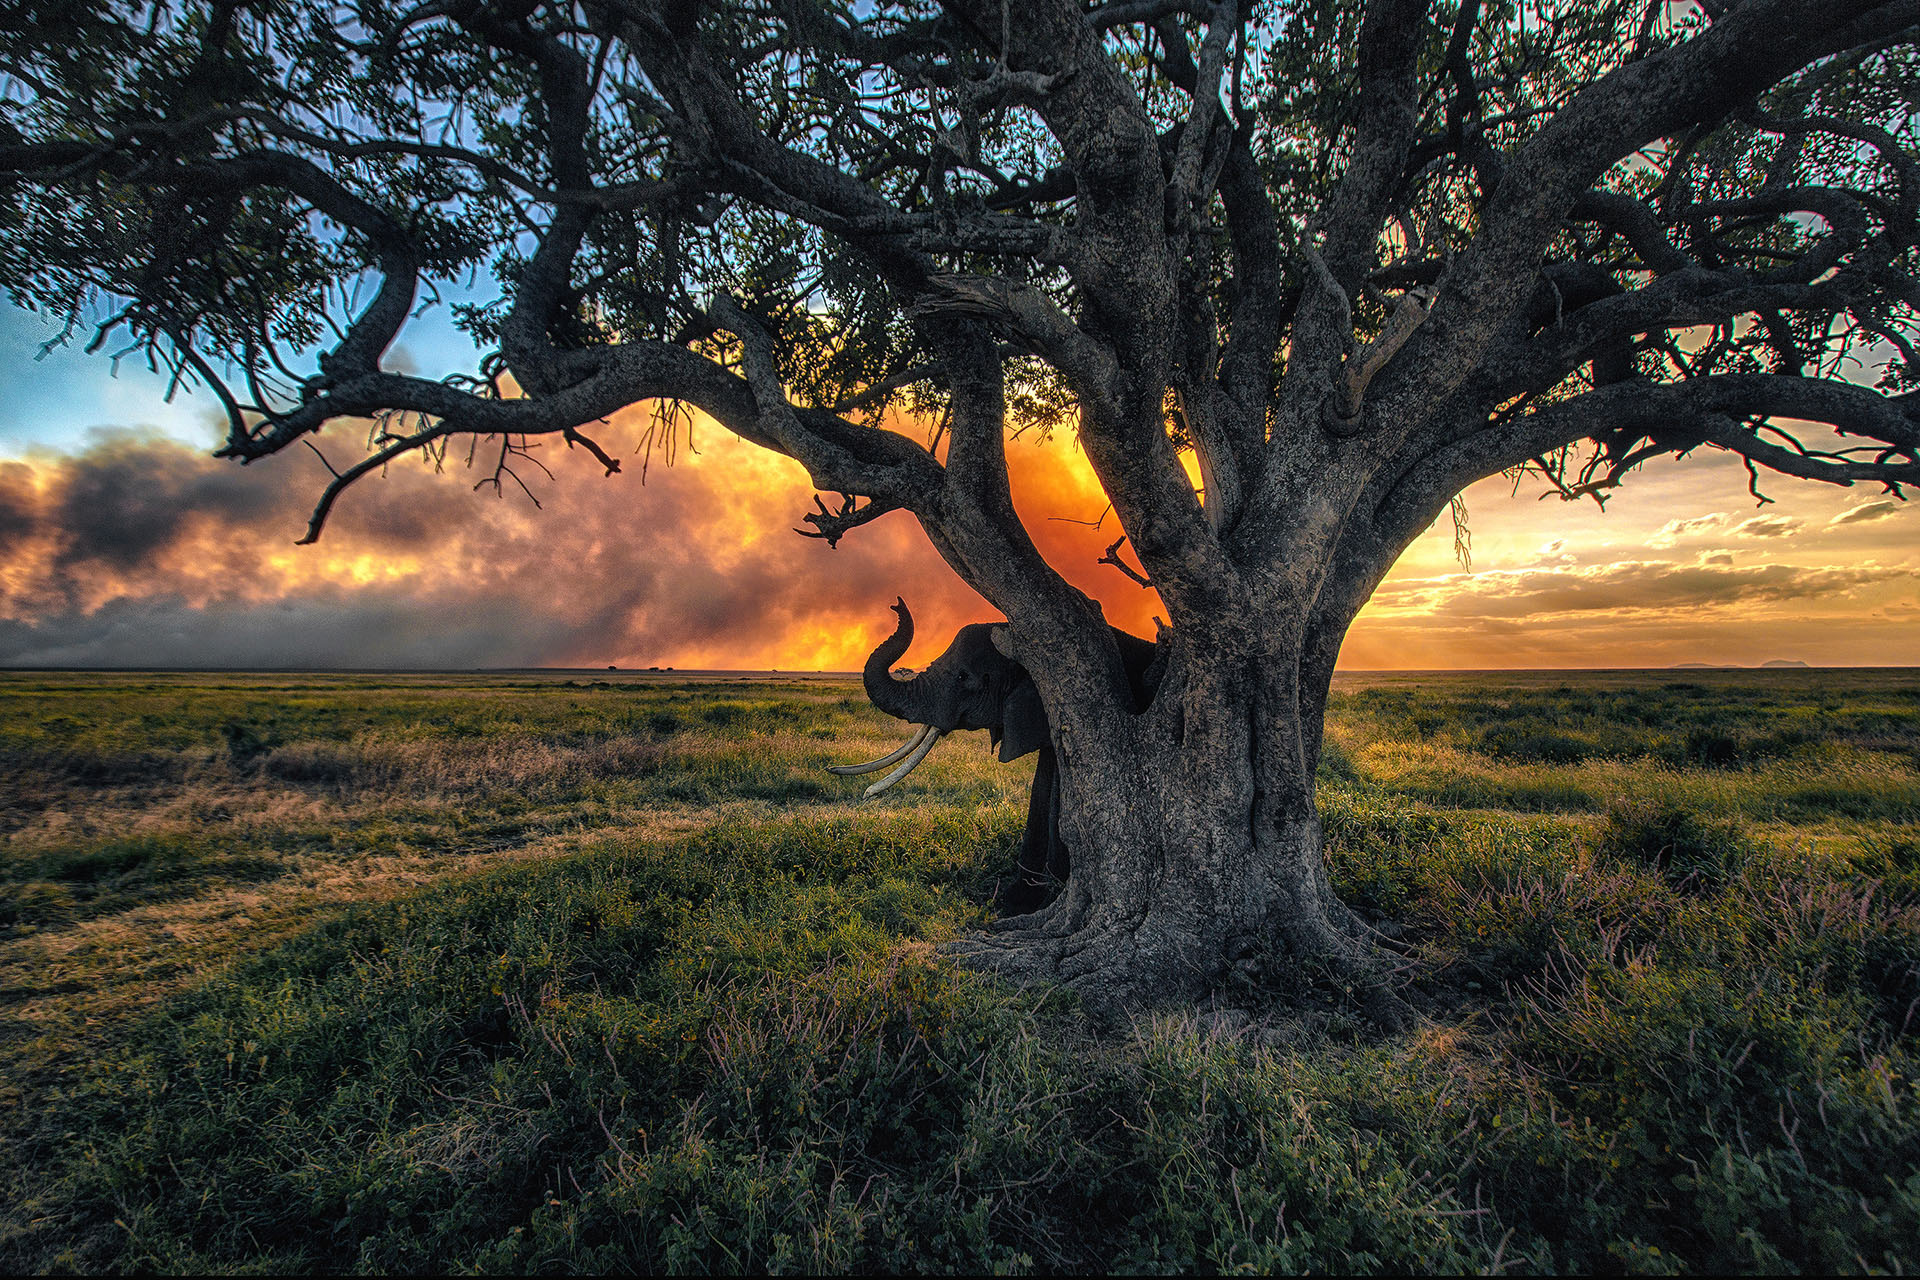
(585, 972)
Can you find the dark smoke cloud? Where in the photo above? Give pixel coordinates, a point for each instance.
(18, 514)
(384, 628)
(143, 552)
(131, 495)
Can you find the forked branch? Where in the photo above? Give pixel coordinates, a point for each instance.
(1112, 557)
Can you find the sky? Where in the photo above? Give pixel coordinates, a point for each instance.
(124, 543)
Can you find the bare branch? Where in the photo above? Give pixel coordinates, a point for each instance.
(1112, 557)
(1385, 126)
(342, 479)
(1202, 115)
(833, 525)
(1696, 82)
(1639, 420)
(831, 465)
(1366, 361)
(1128, 12)
(573, 436)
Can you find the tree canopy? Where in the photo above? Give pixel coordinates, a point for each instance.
(1561, 236)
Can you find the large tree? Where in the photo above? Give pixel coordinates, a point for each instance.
(1353, 256)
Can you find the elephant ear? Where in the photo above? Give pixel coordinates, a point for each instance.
(1023, 722)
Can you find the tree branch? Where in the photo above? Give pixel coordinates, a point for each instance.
(1029, 315)
(1668, 92)
(830, 465)
(1112, 557)
(342, 479)
(1675, 417)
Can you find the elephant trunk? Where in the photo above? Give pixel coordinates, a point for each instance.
(898, 698)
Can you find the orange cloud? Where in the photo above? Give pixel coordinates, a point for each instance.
(139, 551)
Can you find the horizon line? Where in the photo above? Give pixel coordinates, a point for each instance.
(1771, 665)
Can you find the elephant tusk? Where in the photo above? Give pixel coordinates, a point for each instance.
(849, 770)
(906, 766)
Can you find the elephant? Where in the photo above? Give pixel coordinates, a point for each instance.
(973, 684)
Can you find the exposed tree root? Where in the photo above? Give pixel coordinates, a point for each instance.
(1122, 966)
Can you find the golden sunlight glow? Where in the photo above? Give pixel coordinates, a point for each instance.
(141, 551)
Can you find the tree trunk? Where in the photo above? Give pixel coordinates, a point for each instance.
(1197, 851)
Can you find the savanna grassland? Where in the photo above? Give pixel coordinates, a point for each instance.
(562, 973)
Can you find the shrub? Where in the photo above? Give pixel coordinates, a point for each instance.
(1711, 747)
(330, 763)
(1889, 855)
(1686, 847)
(1524, 743)
(1719, 747)
(681, 1059)
(721, 1039)
(35, 902)
(1375, 847)
(246, 743)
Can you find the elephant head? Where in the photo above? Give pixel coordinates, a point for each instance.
(971, 685)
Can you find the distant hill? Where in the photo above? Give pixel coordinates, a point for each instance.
(1775, 663)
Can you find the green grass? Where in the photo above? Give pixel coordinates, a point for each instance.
(520, 974)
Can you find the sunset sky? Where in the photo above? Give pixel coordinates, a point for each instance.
(122, 543)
